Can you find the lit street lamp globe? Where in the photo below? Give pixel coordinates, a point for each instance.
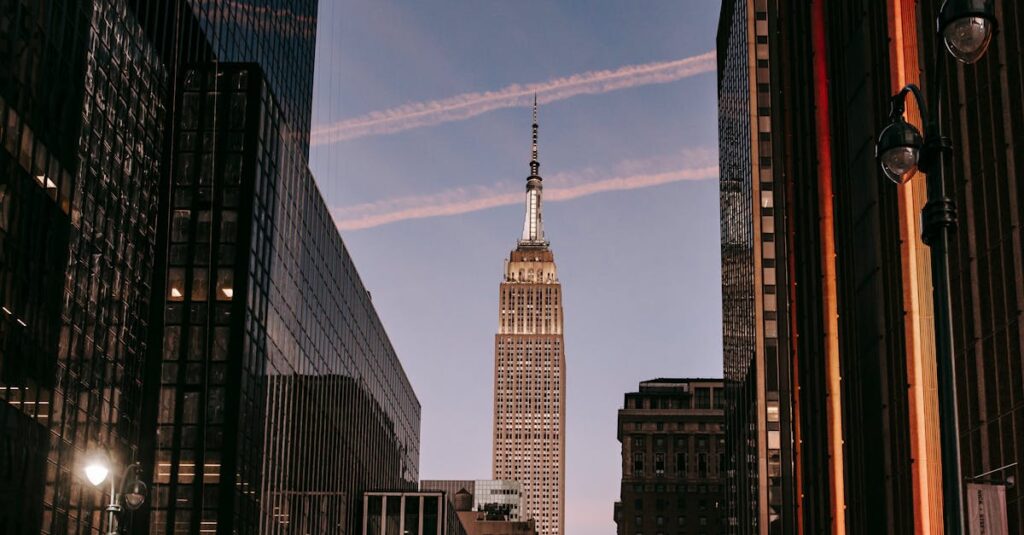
(97, 467)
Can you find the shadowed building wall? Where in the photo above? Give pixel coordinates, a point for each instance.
(673, 458)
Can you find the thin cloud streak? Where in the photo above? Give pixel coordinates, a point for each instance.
(462, 200)
(466, 105)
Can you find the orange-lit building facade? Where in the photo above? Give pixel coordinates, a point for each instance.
(857, 290)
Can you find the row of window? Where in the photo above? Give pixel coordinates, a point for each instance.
(682, 465)
(702, 398)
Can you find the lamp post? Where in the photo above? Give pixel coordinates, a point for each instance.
(131, 490)
(966, 27)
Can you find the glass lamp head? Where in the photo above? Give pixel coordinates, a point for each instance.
(97, 467)
(135, 494)
(899, 150)
(967, 27)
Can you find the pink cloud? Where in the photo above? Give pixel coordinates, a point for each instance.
(466, 105)
(464, 200)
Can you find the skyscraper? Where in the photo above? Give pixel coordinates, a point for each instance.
(529, 369)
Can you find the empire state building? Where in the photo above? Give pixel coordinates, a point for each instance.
(529, 369)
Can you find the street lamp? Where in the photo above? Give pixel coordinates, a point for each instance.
(132, 490)
(899, 149)
(966, 27)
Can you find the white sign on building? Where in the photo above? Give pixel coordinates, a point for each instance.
(986, 509)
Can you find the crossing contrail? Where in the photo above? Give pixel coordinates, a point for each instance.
(463, 200)
(466, 105)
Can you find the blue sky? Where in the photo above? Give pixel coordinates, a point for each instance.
(639, 265)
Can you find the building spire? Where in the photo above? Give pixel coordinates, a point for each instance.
(533, 228)
(534, 162)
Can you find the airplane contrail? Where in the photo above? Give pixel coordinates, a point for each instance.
(419, 114)
(463, 200)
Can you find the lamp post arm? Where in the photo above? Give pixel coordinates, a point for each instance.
(133, 468)
(898, 103)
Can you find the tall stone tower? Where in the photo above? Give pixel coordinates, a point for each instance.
(529, 369)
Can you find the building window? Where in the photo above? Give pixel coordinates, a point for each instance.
(172, 341)
(179, 226)
(203, 226)
(225, 284)
(175, 284)
(220, 343)
(200, 284)
(703, 398)
(638, 463)
(659, 463)
(228, 226)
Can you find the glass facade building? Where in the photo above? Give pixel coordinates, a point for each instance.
(281, 398)
(737, 237)
(503, 497)
(172, 286)
(82, 109)
(499, 495)
(761, 497)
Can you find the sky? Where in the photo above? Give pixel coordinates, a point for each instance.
(421, 146)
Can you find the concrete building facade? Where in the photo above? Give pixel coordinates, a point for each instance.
(409, 513)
